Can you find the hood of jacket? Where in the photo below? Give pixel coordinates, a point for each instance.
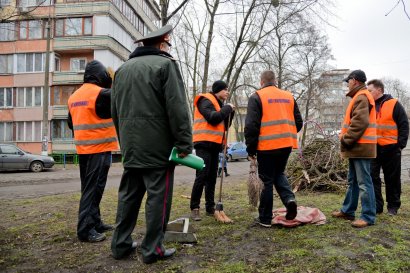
(96, 73)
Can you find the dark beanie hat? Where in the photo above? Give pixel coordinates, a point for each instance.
(219, 86)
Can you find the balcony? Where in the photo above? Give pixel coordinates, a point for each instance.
(78, 43)
(60, 112)
(68, 77)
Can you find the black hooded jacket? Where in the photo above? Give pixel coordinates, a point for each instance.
(96, 73)
(400, 118)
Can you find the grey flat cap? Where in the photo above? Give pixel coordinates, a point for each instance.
(156, 34)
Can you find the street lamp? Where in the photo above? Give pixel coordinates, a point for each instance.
(44, 146)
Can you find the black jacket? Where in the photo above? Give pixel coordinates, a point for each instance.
(253, 123)
(400, 118)
(96, 73)
(213, 117)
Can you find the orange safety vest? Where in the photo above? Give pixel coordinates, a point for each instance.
(204, 131)
(369, 135)
(91, 133)
(387, 132)
(278, 128)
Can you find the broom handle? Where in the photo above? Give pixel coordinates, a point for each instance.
(224, 158)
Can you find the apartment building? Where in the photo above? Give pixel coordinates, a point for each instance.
(81, 31)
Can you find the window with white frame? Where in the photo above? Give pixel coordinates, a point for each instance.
(4, 3)
(28, 131)
(7, 31)
(35, 3)
(78, 64)
(60, 129)
(30, 62)
(57, 64)
(29, 96)
(6, 131)
(6, 97)
(6, 64)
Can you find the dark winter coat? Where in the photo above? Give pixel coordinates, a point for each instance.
(400, 118)
(96, 73)
(213, 117)
(150, 110)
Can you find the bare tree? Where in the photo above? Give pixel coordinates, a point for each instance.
(398, 90)
(166, 15)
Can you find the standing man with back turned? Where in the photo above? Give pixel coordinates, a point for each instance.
(358, 143)
(272, 122)
(151, 116)
(392, 135)
(94, 137)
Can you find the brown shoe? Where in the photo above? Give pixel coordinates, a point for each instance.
(195, 215)
(339, 214)
(359, 223)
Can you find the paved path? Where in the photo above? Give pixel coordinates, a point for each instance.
(59, 180)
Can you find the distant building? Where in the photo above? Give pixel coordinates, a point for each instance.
(81, 31)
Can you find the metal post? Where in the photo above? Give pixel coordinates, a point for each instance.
(44, 146)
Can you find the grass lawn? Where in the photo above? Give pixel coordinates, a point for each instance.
(38, 235)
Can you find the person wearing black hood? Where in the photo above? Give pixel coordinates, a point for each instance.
(211, 119)
(392, 135)
(95, 138)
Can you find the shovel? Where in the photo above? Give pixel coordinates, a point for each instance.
(219, 214)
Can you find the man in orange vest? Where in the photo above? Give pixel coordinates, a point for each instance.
(272, 123)
(358, 143)
(210, 122)
(392, 135)
(95, 138)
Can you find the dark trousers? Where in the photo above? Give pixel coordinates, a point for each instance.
(206, 178)
(391, 165)
(93, 173)
(158, 183)
(271, 167)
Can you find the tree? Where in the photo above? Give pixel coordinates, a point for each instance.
(398, 90)
(165, 14)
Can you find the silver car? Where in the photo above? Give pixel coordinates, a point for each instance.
(13, 158)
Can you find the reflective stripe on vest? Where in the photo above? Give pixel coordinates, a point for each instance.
(204, 131)
(91, 133)
(278, 127)
(369, 135)
(387, 132)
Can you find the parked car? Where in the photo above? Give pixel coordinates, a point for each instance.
(236, 150)
(13, 158)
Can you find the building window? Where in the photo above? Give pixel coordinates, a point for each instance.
(30, 62)
(78, 64)
(6, 97)
(33, 29)
(6, 131)
(60, 129)
(57, 64)
(4, 3)
(29, 96)
(6, 64)
(7, 31)
(35, 3)
(62, 93)
(28, 131)
(74, 26)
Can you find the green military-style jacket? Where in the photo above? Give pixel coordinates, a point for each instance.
(150, 110)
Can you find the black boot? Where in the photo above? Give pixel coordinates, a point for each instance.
(219, 172)
(226, 172)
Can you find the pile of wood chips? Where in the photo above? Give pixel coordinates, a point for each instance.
(318, 167)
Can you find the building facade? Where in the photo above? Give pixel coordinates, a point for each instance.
(80, 31)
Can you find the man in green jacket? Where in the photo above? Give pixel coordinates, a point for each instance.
(150, 113)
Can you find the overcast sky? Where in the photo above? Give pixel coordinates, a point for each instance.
(367, 39)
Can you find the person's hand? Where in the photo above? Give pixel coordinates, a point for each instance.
(251, 157)
(182, 155)
(232, 106)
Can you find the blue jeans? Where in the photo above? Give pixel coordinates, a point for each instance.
(360, 185)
